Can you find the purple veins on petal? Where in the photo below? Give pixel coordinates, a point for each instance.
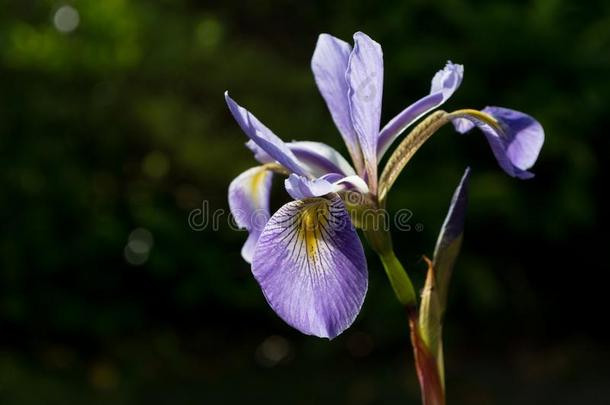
(311, 266)
(249, 204)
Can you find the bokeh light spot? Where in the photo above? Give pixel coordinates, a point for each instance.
(272, 351)
(139, 245)
(155, 165)
(103, 376)
(208, 33)
(66, 19)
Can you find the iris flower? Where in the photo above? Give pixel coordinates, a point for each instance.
(308, 258)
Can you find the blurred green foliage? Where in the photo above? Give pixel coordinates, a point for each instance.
(120, 125)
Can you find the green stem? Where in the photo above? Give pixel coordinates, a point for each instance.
(428, 373)
(399, 279)
(426, 365)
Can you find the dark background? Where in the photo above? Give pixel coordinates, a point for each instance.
(119, 128)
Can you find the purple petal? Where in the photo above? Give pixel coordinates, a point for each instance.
(354, 183)
(526, 136)
(259, 154)
(249, 204)
(515, 138)
(316, 158)
(462, 125)
(333, 177)
(249, 247)
(263, 137)
(300, 187)
(319, 158)
(311, 266)
(329, 64)
(365, 79)
(444, 83)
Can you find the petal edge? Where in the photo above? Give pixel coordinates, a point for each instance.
(311, 266)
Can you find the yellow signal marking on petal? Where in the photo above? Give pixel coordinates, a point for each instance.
(313, 219)
(257, 181)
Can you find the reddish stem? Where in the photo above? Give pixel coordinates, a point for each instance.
(432, 390)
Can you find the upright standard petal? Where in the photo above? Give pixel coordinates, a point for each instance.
(263, 137)
(515, 138)
(249, 204)
(365, 79)
(311, 266)
(329, 64)
(444, 83)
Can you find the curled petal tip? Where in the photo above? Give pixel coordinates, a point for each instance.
(447, 80)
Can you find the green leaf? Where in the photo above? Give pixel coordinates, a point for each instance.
(434, 294)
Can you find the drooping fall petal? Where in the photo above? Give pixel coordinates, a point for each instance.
(249, 204)
(311, 266)
(515, 138)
